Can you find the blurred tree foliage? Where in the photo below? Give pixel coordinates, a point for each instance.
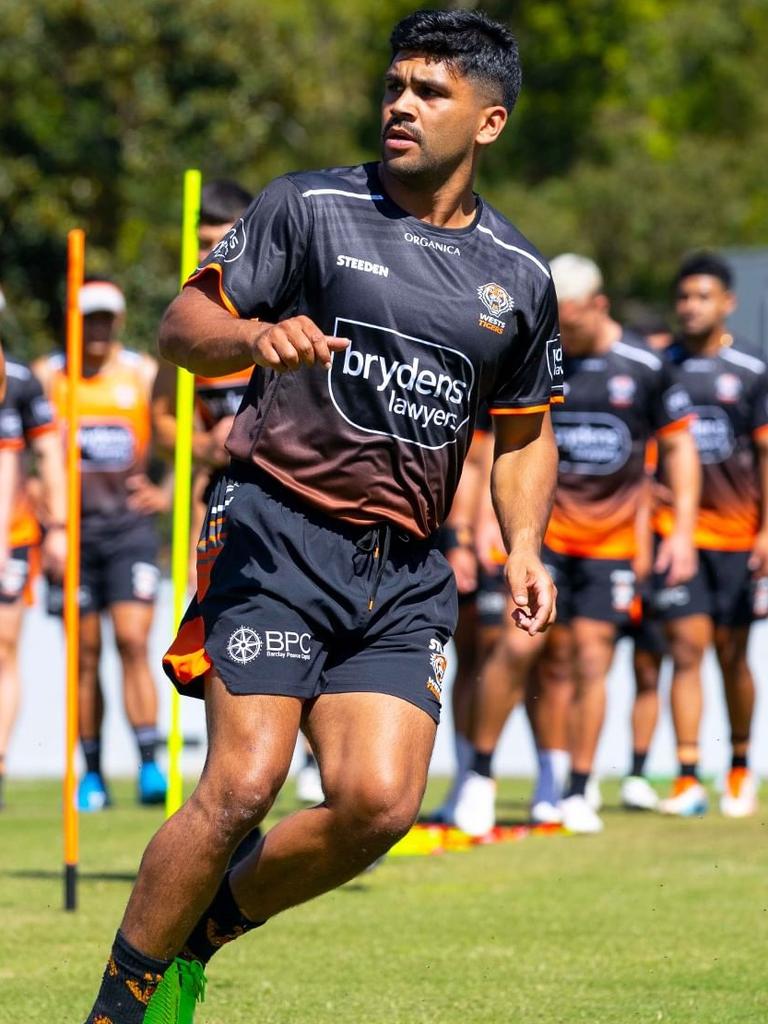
(642, 130)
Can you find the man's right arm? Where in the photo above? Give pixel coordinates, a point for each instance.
(200, 334)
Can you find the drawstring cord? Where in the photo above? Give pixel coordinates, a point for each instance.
(377, 542)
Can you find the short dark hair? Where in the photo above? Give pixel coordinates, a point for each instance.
(223, 201)
(468, 41)
(708, 263)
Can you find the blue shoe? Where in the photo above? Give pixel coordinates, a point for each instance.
(92, 794)
(152, 784)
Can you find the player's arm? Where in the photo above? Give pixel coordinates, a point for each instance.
(51, 461)
(677, 555)
(758, 561)
(199, 333)
(462, 518)
(523, 483)
(9, 469)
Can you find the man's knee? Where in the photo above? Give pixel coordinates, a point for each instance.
(132, 646)
(378, 809)
(236, 800)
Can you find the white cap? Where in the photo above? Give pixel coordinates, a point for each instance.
(575, 277)
(101, 297)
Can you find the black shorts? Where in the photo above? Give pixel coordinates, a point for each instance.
(602, 589)
(284, 595)
(15, 576)
(722, 588)
(645, 630)
(118, 562)
(491, 596)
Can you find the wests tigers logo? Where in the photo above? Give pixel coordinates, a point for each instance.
(439, 665)
(496, 299)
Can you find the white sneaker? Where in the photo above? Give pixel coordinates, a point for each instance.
(739, 799)
(475, 809)
(687, 800)
(637, 794)
(545, 813)
(579, 817)
(592, 793)
(309, 788)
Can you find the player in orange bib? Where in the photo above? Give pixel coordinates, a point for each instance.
(119, 540)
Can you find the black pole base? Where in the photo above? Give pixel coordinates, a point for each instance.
(70, 886)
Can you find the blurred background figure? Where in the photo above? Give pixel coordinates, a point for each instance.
(729, 395)
(26, 427)
(119, 573)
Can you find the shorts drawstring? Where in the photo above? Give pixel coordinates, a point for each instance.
(376, 542)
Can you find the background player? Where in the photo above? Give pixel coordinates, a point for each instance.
(321, 537)
(618, 396)
(119, 541)
(26, 424)
(729, 393)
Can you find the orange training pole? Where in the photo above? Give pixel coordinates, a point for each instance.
(75, 275)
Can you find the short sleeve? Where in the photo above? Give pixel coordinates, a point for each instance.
(759, 410)
(260, 260)
(11, 429)
(670, 405)
(36, 412)
(531, 373)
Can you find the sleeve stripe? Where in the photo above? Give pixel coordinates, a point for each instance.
(13, 444)
(520, 411)
(41, 428)
(226, 301)
(674, 426)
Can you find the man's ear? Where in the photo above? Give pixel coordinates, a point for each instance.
(493, 120)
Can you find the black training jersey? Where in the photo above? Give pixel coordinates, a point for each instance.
(439, 321)
(617, 401)
(729, 395)
(25, 413)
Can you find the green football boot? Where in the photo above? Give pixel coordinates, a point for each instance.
(175, 998)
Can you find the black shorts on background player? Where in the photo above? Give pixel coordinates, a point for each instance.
(602, 589)
(722, 589)
(116, 565)
(304, 605)
(15, 575)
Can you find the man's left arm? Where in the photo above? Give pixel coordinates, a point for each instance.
(523, 483)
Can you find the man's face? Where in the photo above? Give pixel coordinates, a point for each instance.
(580, 323)
(431, 119)
(209, 235)
(99, 331)
(702, 303)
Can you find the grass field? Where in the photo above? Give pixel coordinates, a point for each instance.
(654, 920)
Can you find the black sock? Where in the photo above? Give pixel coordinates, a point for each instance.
(481, 764)
(309, 759)
(221, 923)
(92, 753)
(129, 980)
(578, 784)
(638, 762)
(739, 761)
(146, 741)
(689, 769)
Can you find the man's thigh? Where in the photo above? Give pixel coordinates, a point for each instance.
(366, 739)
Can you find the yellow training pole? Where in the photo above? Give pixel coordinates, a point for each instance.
(185, 397)
(75, 274)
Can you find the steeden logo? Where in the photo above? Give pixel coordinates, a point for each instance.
(497, 301)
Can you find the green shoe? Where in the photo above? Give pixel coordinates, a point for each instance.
(174, 999)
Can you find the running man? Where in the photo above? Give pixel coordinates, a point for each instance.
(381, 304)
(119, 541)
(618, 397)
(729, 392)
(26, 422)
